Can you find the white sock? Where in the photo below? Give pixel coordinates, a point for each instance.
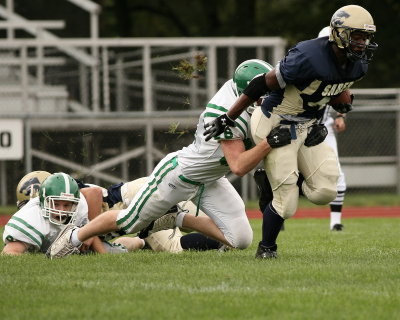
(74, 238)
(335, 218)
(143, 243)
(179, 219)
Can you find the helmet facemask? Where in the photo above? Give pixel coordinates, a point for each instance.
(347, 42)
(51, 209)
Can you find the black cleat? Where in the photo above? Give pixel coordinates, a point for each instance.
(264, 188)
(337, 227)
(264, 252)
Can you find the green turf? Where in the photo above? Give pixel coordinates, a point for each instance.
(319, 274)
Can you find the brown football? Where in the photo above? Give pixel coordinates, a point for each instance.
(344, 97)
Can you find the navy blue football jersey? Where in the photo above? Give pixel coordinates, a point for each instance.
(311, 76)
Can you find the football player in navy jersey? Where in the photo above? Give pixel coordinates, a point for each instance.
(299, 87)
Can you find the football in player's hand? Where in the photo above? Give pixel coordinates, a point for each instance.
(344, 97)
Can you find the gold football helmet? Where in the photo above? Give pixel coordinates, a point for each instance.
(28, 187)
(349, 19)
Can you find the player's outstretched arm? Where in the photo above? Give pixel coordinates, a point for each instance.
(257, 87)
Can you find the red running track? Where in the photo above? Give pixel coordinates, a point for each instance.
(318, 213)
(358, 212)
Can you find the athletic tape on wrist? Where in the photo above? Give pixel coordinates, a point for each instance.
(179, 219)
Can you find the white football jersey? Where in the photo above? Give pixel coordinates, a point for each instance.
(204, 161)
(29, 226)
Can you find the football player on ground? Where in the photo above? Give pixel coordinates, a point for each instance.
(303, 82)
(195, 173)
(47, 202)
(118, 197)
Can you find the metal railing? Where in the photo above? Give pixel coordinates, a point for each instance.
(130, 88)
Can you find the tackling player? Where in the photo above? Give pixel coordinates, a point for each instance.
(303, 82)
(196, 173)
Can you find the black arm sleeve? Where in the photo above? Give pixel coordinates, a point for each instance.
(256, 88)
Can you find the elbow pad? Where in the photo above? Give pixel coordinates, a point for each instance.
(256, 88)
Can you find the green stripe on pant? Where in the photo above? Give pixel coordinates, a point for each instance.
(158, 176)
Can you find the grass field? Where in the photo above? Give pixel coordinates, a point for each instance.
(319, 274)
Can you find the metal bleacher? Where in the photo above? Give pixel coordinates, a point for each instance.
(118, 105)
(122, 89)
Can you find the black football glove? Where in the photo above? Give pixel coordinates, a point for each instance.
(342, 107)
(279, 137)
(316, 134)
(216, 127)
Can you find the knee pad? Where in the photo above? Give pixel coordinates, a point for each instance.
(286, 197)
(321, 187)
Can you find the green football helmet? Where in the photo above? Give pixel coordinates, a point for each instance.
(59, 197)
(246, 71)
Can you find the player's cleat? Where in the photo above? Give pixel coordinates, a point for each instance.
(165, 222)
(62, 246)
(264, 252)
(337, 227)
(224, 248)
(115, 248)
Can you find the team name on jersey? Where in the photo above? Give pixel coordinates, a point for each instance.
(336, 88)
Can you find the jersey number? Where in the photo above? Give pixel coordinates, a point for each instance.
(228, 133)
